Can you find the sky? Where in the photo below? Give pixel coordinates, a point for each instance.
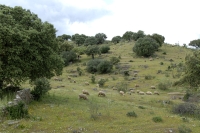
(177, 20)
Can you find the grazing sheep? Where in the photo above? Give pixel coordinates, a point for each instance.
(138, 91)
(57, 79)
(149, 93)
(153, 87)
(86, 83)
(69, 78)
(129, 93)
(114, 88)
(156, 93)
(136, 85)
(132, 91)
(83, 96)
(101, 93)
(151, 59)
(121, 93)
(85, 92)
(141, 93)
(135, 74)
(74, 81)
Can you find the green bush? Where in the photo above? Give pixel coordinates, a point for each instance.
(184, 129)
(92, 65)
(164, 53)
(114, 60)
(101, 82)
(187, 108)
(149, 77)
(131, 114)
(163, 86)
(104, 49)
(41, 87)
(122, 87)
(157, 119)
(161, 63)
(104, 67)
(141, 107)
(16, 111)
(93, 79)
(126, 73)
(68, 56)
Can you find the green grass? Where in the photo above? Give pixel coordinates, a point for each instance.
(62, 111)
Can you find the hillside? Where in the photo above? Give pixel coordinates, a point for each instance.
(62, 111)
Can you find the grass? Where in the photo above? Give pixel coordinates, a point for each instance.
(62, 111)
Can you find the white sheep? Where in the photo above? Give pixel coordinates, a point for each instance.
(101, 93)
(114, 88)
(156, 93)
(85, 92)
(132, 91)
(149, 93)
(69, 78)
(83, 96)
(136, 85)
(153, 87)
(86, 83)
(121, 93)
(141, 93)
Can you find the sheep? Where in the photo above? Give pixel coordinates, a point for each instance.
(149, 93)
(69, 78)
(156, 93)
(132, 91)
(138, 91)
(85, 92)
(141, 93)
(57, 79)
(83, 96)
(135, 74)
(114, 88)
(153, 87)
(74, 81)
(121, 93)
(128, 93)
(151, 59)
(136, 85)
(101, 93)
(86, 83)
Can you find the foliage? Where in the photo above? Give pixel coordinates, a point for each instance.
(104, 67)
(79, 39)
(192, 70)
(79, 50)
(145, 46)
(161, 63)
(68, 56)
(163, 86)
(195, 43)
(141, 107)
(149, 77)
(101, 82)
(64, 37)
(17, 111)
(128, 35)
(92, 65)
(41, 87)
(187, 108)
(92, 50)
(90, 41)
(80, 71)
(159, 38)
(123, 86)
(101, 37)
(126, 73)
(116, 39)
(104, 49)
(65, 46)
(114, 60)
(93, 109)
(184, 129)
(28, 46)
(139, 34)
(131, 114)
(93, 79)
(157, 119)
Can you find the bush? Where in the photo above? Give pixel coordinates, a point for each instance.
(157, 119)
(163, 86)
(164, 53)
(101, 82)
(122, 87)
(104, 49)
(184, 129)
(16, 111)
(186, 109)
(68, 56)
(149, 77)
(92, 65)
(104, 67)
(114, 60)
(93, 79)
(161, 63)
(131, 114)
(126, 73)
(42, 86)
(141, 107)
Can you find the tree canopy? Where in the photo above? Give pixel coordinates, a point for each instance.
(116, 39)
(90, 41)
(159, 38)
(92, 50)
(145, 46)
(28, 47)
(79, 39)
(195, 43)
(101, 37)
(128, 35)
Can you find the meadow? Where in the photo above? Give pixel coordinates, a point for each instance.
(62, 112)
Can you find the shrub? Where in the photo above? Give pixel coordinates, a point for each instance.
(161, 63)
(93, 109)
(131, 114)
(104, 49)
(16, 111)
(104, 67)
(93, 79)
(92, 65)
(130, 60)
(42, 86)
(101, 82)
(122, 87)
(126, 73)
(68, 56)
(184, 129)
(164, 53)
(163, 86)
(141, 107)
(149, 77)
(157, 119)
(114, 60)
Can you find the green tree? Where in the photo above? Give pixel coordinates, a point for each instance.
(145, 46)
(128, 35)
(92, 50)
(192, 70)
(159, 38)
(90, 41)
(116, 39)
(104, 67)
(68, 56)
(65, 46)
(101, 37)
(104, 49)
(195, 43)
(139, 34)
(64, 37)
(28, 47)
(79, 39)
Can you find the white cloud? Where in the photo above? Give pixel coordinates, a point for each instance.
(177, 20)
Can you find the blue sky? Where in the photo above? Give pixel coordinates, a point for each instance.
(177, 20)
